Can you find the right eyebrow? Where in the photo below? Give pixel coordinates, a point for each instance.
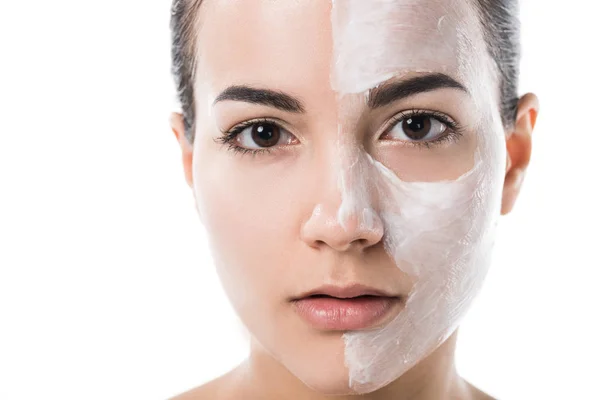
(268, 97)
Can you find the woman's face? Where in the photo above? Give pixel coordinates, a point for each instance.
(347, 143)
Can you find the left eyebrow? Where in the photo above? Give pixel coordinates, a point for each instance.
(389, 92)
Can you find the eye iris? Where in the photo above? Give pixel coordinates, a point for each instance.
(265, 135)
(416, 128)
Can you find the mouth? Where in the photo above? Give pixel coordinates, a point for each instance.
(334, 308)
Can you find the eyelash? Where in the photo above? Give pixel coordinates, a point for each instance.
(455, 131)
(228, 138)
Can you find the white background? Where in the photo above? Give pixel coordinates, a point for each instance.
(106, 286)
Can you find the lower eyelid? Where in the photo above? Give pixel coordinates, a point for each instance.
(235, 137)
(449, 136)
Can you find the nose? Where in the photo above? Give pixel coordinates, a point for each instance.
(342, 229)
(343, 217)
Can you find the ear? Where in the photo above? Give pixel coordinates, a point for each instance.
(518, 147)
(178, 128)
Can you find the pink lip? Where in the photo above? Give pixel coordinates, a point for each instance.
(344, 308)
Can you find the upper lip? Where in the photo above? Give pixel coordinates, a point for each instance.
(345, 292)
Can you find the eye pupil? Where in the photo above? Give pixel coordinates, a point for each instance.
(265, 135)
(416, 128)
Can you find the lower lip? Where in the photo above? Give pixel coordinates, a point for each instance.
(331, 313)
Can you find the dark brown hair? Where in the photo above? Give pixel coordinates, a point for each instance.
(499, 19)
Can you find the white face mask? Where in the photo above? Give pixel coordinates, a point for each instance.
(438, 232)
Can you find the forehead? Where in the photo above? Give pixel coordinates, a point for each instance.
(287, 43)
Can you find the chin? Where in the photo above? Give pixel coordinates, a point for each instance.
(318, 362)
(328, 382)
(334, 382)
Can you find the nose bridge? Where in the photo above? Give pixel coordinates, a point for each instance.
(353, 183)
(344, 214)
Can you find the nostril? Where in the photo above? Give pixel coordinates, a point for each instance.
(360, 230)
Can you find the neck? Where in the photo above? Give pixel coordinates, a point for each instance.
(435, 377)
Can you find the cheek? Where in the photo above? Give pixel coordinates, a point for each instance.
(441, 232)
(246, 212)
(447, 161)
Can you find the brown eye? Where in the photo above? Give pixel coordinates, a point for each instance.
(262, 135)
(418, 128)
(265, 135)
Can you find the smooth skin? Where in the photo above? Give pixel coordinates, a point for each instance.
(434, 378)
(243, 197)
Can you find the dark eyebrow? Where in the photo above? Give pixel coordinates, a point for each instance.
(390, 92)
(266, 97)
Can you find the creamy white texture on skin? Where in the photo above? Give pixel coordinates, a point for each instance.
(441, 233)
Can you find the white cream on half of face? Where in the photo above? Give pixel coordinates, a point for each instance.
(440, 232)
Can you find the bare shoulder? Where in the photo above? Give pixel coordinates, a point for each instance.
(478, 394)
(206, 391)
(221, 388)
